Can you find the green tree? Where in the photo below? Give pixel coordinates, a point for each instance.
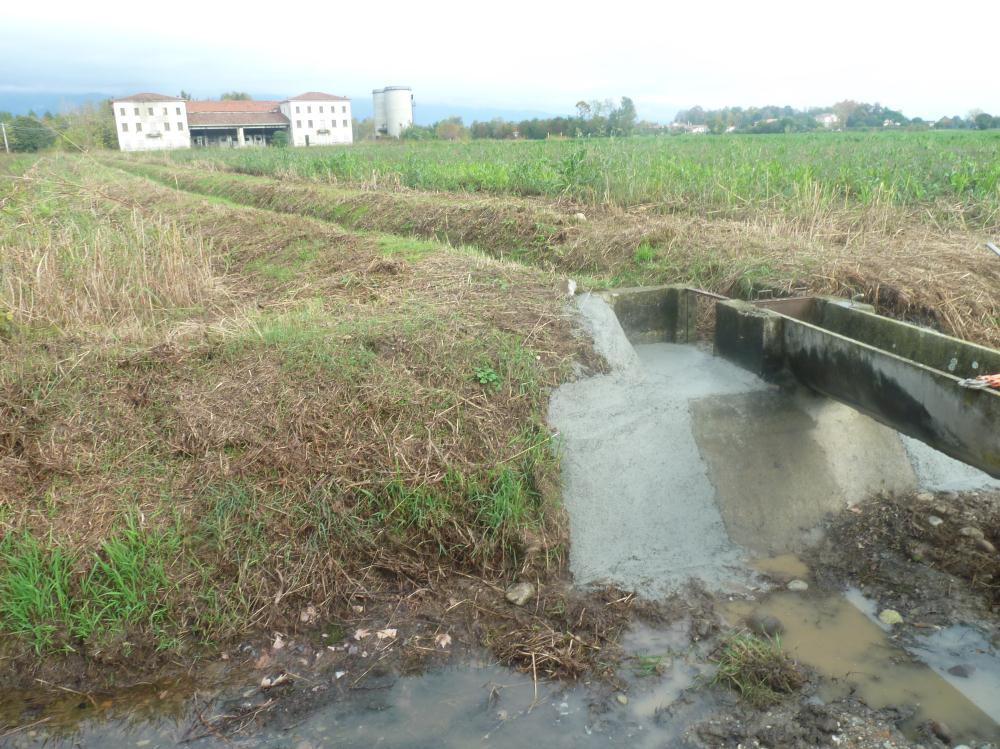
(30, 135)
(364, 129)
(279, 139)
(985, 121)
(87, 127)
(184, 95)
(450, 129)
(236, 96)
(622, 120)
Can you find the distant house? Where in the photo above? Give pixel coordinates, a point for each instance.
(828, 119)
(148, 122)
(698, 129)
(890, 123)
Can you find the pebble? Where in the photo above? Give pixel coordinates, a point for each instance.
(925, 497)
(986, 546)
(971, 532)
(963, 670)
(934, 520)
(941, 730)
(580, 217)
(622, 699)
(798, 586)
(765, 624)
(890, 617)
(520, 593)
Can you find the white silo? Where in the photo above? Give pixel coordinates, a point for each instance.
(378, 100)
(393, 110)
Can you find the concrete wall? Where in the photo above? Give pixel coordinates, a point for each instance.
(325, 123)
(904, 376)
(151, 126)
(655, 314)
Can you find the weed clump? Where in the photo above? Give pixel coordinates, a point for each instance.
(757, 668)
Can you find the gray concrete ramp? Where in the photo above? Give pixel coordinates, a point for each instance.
(679, 464)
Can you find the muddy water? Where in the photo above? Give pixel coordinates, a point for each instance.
(472, 704)
(839, 637)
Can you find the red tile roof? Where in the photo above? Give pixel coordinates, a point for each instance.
(232, 106)
(235, 119)
(317, 96)
(148, 97)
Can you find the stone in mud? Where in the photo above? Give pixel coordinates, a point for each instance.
(764, 624)
(622, 699)
(925, 497)
(962, 670)
(983, 545)
(971, 532)
(890, 617)
(934, 521)
(520, 593)
(941, 730)
(797, 586)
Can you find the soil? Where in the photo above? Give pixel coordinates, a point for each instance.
(933, 574)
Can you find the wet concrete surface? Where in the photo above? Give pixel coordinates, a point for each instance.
(677, 463)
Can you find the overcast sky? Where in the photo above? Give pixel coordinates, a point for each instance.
(926, 59)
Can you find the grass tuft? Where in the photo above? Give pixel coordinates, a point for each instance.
(757, 668)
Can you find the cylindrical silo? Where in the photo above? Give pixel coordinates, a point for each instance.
(398, 109)
(378, 101)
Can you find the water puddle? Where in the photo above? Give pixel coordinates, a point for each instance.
(470, 704)
(839, 636)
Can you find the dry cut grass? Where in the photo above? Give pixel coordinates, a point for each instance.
(62, 265)
(907, 266)
(342, 418)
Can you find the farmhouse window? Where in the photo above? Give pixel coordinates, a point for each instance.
(124, 127)
(180, 125)
(298, 123)
(345, 123)
(178, 110)
(310, 123)
(150, 110)
(137, 111)
(122, 110)
(138, 127)
(166, 126)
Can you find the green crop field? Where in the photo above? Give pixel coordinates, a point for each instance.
(957, 174)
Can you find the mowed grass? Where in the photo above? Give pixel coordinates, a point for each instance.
(213, 416)
(956, 174)
(904, 261)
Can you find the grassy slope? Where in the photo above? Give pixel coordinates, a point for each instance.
(212, 416)
(906, 268)
(797, 176)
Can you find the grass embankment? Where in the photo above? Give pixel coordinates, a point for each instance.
(213, 417)
(913, 271)
(807, 177)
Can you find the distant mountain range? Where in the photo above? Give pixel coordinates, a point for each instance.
(424, 113)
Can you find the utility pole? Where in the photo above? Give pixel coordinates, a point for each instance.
(3, 127)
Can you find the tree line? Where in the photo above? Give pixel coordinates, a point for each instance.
(850, 115)
(593, 119)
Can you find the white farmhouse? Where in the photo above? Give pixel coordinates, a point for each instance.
(147, 122)
(828, 119)
(317, 119)
(151, 122)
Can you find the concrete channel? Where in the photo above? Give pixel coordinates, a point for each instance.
(682, 462)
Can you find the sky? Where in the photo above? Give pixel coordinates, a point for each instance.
(926, 59)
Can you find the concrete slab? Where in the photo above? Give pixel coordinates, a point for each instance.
(679, 464)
